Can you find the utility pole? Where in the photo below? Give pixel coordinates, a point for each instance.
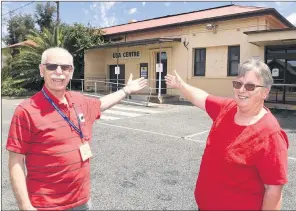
(58, 22)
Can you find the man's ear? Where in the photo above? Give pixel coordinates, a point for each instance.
(41, 70)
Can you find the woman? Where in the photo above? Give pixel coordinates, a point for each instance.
(244, 165)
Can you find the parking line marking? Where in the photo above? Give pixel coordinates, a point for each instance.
(195, 140)
(152, 132)
(195, 134)
(143, 110)
(121, 113)
(167, 135)
(145, 131)
(104, 117)
(126, 101)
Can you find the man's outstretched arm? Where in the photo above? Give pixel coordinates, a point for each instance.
(132, 86)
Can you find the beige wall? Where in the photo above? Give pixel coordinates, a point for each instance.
(215, 81)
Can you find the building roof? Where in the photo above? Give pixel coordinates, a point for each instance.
(217, 13)
(27, 42)
(136, 43)
(270, 30)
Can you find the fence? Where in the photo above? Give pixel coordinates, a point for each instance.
(107, 86)
(280, 93)
(283, 93)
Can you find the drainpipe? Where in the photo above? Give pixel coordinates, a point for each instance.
(159, 74)
(117, 64)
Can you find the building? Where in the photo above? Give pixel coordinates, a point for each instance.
(14, 49)
(205, 47)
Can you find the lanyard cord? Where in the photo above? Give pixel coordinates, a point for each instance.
(78, 130)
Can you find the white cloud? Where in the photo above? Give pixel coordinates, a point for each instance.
(167, 4)
(4, 29)
(104, 8)
(94, 6)
(37, 26)
(132, 11)
(4, 21)
(85, 11)
(100, 11)
(143, 3)
(261, 4)
(3, 45)
(96, 17)
(282, 5)
(292, 18)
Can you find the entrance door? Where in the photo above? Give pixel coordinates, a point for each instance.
(282, 63)
(113, 77)
(164, 62)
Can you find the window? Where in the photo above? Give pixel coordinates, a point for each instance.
(233, 60)
(200, 62)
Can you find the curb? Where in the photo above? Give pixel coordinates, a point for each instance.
(133, 102)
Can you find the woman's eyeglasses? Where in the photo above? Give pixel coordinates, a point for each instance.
(248, 87)
(53, 67)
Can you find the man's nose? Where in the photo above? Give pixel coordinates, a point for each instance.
(59, 70)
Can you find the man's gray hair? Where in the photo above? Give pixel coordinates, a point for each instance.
(261, 70)
(53, 50)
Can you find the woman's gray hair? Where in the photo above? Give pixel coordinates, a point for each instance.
(261, 70)
(53, 50)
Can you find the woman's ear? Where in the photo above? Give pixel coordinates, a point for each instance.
(266, 93)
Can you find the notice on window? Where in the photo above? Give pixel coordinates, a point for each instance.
(144, 72)
(275, 72)
(117, 70)
(159, 67)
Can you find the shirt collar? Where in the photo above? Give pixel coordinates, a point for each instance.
(55, 100)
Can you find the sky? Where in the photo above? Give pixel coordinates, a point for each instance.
(104, 14)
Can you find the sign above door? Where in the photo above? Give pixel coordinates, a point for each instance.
(126, 55)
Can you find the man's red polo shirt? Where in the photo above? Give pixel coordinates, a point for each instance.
(57, 178)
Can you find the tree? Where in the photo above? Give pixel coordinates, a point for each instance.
(45, 15)
(77, 38)
(18, 26)
(26, 64)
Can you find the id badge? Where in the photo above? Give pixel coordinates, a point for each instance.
(85, 151)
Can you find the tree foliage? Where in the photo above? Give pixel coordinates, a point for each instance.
(77, 37)
(18, 26)
(26, 64)
(45, 14)
(23, 69)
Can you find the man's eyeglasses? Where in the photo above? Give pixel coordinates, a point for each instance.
(53, 67)
(248, 87)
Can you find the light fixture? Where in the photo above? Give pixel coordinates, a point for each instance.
(212, 26)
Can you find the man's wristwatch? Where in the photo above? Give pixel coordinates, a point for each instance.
(125, 92)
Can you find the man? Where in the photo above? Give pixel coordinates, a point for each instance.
(50, 134)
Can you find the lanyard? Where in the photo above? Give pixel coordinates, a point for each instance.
(78, 130)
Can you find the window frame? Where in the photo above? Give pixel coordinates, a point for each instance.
(229, 61)
(195, 62)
